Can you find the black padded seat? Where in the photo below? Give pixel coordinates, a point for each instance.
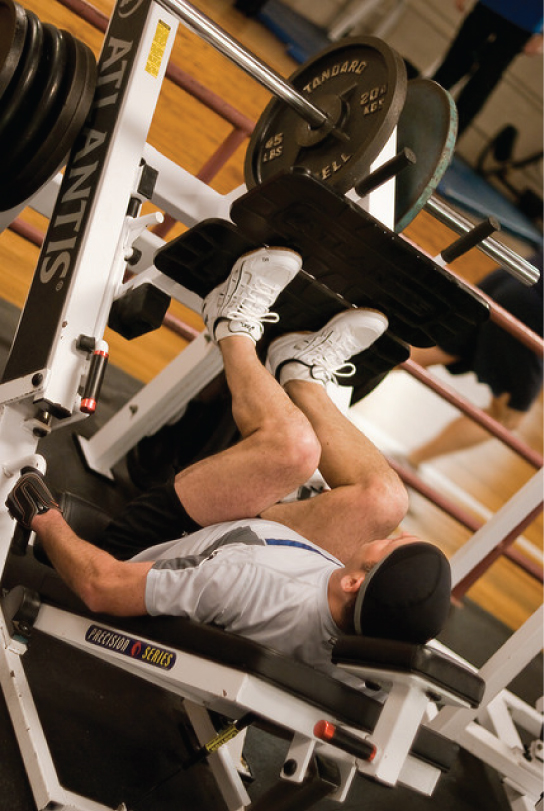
(434, 666)
(332, 696)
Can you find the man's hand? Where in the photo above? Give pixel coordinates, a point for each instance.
(30, 497)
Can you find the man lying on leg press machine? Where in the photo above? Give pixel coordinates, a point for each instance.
(218, 545)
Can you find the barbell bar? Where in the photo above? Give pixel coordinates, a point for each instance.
(216, 36)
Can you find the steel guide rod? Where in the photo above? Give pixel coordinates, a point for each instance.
(216, 36)
(507, 258)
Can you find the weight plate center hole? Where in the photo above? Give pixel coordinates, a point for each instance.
(335, 109)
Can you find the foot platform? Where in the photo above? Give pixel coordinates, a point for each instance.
(349, 259)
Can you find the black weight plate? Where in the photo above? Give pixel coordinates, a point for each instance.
(54, 149)
(428, 126)
(13, 25)
(39, 107)
(17, 108)
(361, 84)
(31, 107)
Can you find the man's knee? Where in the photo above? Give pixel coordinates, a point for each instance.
(296, 448)
(386, 498)
(303, 452)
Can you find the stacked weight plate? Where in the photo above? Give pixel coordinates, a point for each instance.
(47, 82)
(361, 84)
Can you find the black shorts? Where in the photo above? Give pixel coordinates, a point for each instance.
(497, 358)
(152, 518)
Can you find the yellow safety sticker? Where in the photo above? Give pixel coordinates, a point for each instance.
(158, 47)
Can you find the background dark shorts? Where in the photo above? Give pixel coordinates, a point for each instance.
(496, 358)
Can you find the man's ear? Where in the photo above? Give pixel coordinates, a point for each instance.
(350, 583)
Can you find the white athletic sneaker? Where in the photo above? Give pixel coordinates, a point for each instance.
(322, 356)
(240, 305)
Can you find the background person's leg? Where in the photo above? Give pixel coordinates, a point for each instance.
(493, 60)
(463, 432)
(462, 54)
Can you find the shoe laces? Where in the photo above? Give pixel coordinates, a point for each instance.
(254, 307)
(330, 352)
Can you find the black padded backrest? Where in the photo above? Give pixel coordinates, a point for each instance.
(85, 518)
(402, 657)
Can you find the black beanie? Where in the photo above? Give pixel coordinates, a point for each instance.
(406, 596)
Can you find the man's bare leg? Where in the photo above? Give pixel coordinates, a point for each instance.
(367, 500)
(279, 449)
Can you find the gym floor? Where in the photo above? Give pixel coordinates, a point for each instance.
(102, 746)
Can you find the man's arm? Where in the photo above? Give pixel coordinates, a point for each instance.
(105, 585)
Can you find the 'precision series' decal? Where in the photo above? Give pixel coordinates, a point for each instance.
(128, 646)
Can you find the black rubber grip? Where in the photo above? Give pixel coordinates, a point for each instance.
(385, 172)
(470, 239)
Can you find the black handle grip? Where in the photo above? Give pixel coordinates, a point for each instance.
(19, 542)
(97, 370)
(385, 172)
(470, 239)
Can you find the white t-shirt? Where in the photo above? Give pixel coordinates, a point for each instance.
(255, 578)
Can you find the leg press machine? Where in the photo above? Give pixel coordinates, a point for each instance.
(95, 229)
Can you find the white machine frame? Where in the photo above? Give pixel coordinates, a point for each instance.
(85, 267)
(209, 686)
